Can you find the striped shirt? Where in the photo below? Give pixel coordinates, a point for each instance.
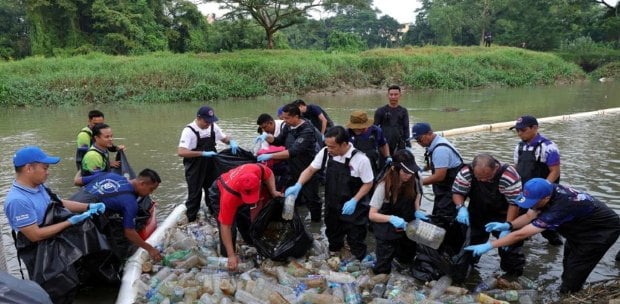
(509, 183)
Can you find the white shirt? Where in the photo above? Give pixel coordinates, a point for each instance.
(378, 197)
(189, 140)
(279, 124)
(359, 164)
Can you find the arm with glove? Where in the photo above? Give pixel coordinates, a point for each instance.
(506, 240)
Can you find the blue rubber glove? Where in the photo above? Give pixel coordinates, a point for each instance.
(96, 208)
(463, 216)
(397, 222)
(388, 160)
(264, 157)
(349, 206)
(292, 190)
(262, 137)
(208, 153)
(480, 249)
(497, 226)
(79, 218)
(233, 146)
(419, 214)
(503, 234)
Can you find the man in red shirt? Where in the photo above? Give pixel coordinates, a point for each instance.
(232, 193)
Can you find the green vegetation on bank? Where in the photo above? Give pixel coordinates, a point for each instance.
(166, 77)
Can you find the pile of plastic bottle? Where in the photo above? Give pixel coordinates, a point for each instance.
(193, 272)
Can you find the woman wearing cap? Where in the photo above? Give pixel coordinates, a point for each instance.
(589, 226)
(231, 194)
(369, 139)
(395, 202)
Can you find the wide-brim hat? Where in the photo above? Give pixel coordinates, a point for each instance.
(359, 120)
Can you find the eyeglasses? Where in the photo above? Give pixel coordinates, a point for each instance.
(419, 138)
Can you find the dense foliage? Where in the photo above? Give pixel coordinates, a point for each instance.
(72, 27)
(167, 77)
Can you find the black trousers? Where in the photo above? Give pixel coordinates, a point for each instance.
(336, 230)
(309, 194)
(512, 260)
(199, 177)
(580, 259)
(402, 249)
(242, 219)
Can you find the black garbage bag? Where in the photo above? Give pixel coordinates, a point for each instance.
(125, 169)
(278, 239)
(14, 290)
(431, 264)
(225, 160)
(58, 263)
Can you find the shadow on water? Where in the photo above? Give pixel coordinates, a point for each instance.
(589, 148)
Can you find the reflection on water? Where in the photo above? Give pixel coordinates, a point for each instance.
(588, 146)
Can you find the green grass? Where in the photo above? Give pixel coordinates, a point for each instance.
(166, 77)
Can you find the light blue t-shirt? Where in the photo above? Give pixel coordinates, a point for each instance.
(443, 157)
(25, 206)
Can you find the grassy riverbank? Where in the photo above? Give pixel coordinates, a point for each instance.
(166, 77)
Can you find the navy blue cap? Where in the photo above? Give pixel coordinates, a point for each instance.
(525, 122)
(207, 113)
(419, 129)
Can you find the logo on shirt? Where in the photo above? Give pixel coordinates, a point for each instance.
(106, 186)
(21, 217)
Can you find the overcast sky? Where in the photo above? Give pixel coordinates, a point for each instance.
(401, 10)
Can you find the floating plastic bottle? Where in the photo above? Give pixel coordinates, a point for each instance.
(378, 290)
(486, 299)
(339, 277)
(289, 208)
(440, 287)
(487, 284)
(248, 298)
(513, 295)
(526, 283)
(425, 233)
(351, 294)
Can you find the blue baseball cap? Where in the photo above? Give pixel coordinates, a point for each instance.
(207, 113)
(32, 154)
(534, 190)
(419, 129)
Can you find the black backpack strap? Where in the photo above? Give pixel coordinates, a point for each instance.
(449, 147)
(228, 188)
(324, 161)
(348, 159)
(19, 261)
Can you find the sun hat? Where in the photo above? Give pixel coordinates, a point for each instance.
(359, 120)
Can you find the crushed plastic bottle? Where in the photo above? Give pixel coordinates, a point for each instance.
(526, 283)
(425, 233)
(487, 284)
(440, 287)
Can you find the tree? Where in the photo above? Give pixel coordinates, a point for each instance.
(274, 15)
(14, 41)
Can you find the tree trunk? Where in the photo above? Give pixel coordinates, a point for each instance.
(269, 39)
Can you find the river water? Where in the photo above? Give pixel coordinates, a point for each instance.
(589, 148)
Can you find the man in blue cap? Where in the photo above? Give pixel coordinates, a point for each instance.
(589, 226)
(26, 207)
(536, 156)
(197, 147)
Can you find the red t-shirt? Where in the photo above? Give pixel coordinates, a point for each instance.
(229, 203)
